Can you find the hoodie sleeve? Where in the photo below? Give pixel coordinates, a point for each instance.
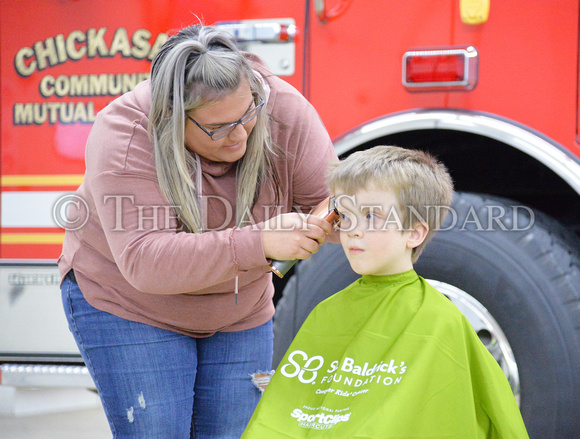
(139, 225)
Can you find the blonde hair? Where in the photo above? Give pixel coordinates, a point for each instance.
(197, 66)
(421, 183)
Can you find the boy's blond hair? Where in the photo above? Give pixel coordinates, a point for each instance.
(420, 182)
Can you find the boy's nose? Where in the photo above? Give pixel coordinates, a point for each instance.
(356, 232)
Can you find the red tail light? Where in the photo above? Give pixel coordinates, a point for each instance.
(440, 69)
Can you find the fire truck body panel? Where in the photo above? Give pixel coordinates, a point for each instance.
(504, 69)
(59, 68)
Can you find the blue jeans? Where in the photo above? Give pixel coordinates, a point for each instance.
(155, 383)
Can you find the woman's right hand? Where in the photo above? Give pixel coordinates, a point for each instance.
(292, 236)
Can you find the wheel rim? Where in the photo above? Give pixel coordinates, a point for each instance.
(488, 330)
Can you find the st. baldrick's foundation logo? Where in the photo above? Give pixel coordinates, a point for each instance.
(347, 371)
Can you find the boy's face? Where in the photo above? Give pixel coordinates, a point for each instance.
(372, 233)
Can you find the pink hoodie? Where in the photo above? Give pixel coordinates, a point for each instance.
(129, 259)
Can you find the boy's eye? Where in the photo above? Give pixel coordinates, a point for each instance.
(344, 221)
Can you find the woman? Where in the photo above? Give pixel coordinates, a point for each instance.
(190, 183)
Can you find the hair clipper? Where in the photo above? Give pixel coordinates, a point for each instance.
(325, 210)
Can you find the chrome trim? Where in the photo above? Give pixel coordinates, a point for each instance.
(263, 31)
(28, 262)
(470, 69)
(547, 152)
(484, 324)
(273, 40)
(18, 375)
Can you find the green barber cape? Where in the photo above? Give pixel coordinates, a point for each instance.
(387, 357)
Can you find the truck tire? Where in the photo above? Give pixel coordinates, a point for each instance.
(522, 268)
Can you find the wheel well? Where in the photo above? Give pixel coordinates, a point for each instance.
(484, 165)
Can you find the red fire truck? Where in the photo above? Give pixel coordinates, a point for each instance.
(489, 86)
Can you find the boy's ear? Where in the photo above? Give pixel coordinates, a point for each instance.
(418, 235)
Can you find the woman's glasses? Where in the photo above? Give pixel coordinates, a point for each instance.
(224, 131)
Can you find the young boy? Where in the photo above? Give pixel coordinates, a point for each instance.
(388, 356)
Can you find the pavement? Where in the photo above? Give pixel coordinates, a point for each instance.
(72, 424)
(51, 414)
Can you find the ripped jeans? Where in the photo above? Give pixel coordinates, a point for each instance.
(155, 383)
